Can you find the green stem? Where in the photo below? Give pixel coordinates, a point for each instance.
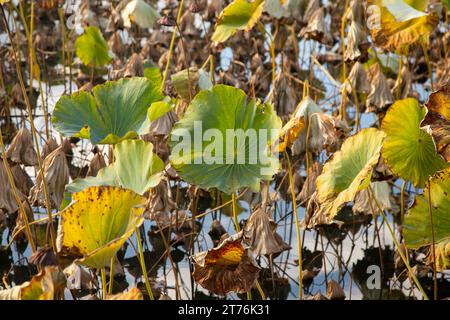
(111, 275)
(143, 267)
(297, 228)
(397, 245)
(172, 42)
(433, 249)
(103, 273)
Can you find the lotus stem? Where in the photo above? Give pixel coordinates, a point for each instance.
(402, 202)
(297, 228)
(235, 218)
(430, 69)
(111, 275)
(143, 267)
(343, 24)
(397, 245)
(103, 274)
(172, 42)
(33, 130)
(16, 195)
(433, 248)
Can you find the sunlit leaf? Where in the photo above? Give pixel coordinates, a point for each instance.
(224, 161)
(115, 111)
(408, 150)
(238, 15)
(349, 171)
(401, 25)
(92, 48)
(98, 222)
(417, 226)
(136, 168)
(132, 294)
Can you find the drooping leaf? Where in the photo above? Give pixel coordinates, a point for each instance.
(92, 48)
(408, 150)
(437, 120)
(98, 222)
(349, 171)
(227, 268)
(136, 168)
(226, 161)
(132, 294)
(238, 15)
(401, 25)
(115, 111)
(417, 225)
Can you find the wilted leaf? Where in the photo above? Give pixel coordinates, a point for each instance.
(227, 268)
(56, 173)
(408, 150)
(260, 234)
(21, 150)
(132, 294)
(98, 222)
(401, 25)
(115, 111)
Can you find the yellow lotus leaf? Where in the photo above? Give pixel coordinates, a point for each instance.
(349, 171)
(132, 294)
(227, 268)
(290, 132)
(401, 25)
(98, 222)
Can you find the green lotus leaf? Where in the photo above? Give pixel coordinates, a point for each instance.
(152, 72)
(157, 110)
(409, 151)
(92, 48)
(349, 171)
(115, 111)
(98, 222)
(136, 168)
(417, 225)
(238, 15)
(221, 159)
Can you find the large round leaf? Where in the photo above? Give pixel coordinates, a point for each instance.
(417, 226)
(408, 150)
(115, 111)
(98, 222)
(136, 167)
(217, 111)
(349, 171)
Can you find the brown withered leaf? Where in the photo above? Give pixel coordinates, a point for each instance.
(316, 28)
(309, 187)
(7, 200)
(98, 162)
(357, 79)
(56, 173)
(335, 291)
(134, 67)
(382, 192)
(227, 268)
(380, 96)
(357, 43)
(260, 234)
(49, 146)
(22, 180)
(21, 150)
(437, 120)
